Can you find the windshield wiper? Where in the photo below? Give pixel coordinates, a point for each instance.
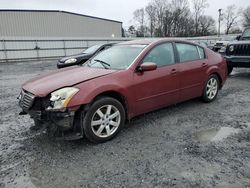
(103, 63)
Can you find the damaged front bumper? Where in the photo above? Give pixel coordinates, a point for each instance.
(64, 124)
(64, 120)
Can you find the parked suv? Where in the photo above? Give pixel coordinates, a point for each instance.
(238, 52)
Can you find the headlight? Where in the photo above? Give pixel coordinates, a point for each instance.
(231, 48)
(72, 60)
(222, 50)
(59, 99)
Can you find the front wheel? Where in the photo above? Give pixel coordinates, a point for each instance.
(211, 89)
(103, 120)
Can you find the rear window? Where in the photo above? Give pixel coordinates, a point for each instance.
(187, 52)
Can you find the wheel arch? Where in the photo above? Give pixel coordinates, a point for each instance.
(116, 95)
(219, 77)
(215, 70)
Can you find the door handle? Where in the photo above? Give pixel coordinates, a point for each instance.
(173, 71)
(204, 64)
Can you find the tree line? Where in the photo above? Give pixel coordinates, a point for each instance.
(175, 18)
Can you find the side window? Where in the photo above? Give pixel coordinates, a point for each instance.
(201, 52)
(187, 52)
(162, 55)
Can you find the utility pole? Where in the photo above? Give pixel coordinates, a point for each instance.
(220, 14)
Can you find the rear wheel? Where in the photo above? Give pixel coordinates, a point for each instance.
(211, 88)
(103, 120)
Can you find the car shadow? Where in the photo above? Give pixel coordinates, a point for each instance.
(165, 112)
(143, 121)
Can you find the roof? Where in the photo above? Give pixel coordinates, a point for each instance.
(153, 40)
(140, 41)
(58, 11)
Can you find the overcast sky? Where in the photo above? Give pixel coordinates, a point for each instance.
(121, 10)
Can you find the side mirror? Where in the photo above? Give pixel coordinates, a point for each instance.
(148, 66)
(238, 37)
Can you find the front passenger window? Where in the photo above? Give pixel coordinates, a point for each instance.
(162, 55)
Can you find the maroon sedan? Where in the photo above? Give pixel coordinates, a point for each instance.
(127, 80)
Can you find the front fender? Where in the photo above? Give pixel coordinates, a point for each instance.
(90, 90)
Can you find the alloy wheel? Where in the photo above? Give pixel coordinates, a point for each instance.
(212, 88)
(105, 121)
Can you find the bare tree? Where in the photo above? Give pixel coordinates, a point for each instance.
(246, 17)
(199, 6)
(139, 16)
(180, 11)
(166, 18)
(207, 25)
(230, 17)
(161, 7)
(132, 30)
(151, 13)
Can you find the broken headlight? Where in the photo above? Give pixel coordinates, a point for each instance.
(59, 99)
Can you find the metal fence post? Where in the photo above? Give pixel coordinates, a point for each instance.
(64, 48)
(37, 49)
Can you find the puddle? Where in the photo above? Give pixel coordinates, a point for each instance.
(215, 134)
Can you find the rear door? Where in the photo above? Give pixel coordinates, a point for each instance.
(192, 70)
(158, 88)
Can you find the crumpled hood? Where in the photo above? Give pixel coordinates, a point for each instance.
(43, 85)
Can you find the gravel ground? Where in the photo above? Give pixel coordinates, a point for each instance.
(188, 145)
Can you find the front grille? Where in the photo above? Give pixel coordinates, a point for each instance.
(240, 50)
(219, 44)
(26, 100)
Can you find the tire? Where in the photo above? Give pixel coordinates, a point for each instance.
(229, 70)
(38, 125)
(211, 89)
(104, 119)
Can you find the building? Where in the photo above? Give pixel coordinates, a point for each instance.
(51, 34)
(55, 24)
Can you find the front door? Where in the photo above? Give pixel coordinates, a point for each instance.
(158, 88)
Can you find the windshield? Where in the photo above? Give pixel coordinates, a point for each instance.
(117, 57)
(92, 49)
(246, 33)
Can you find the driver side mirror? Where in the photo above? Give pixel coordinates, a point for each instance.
(148, 66)
(238, 37)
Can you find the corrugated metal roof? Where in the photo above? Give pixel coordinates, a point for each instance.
(56, 24)
(61, 11)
